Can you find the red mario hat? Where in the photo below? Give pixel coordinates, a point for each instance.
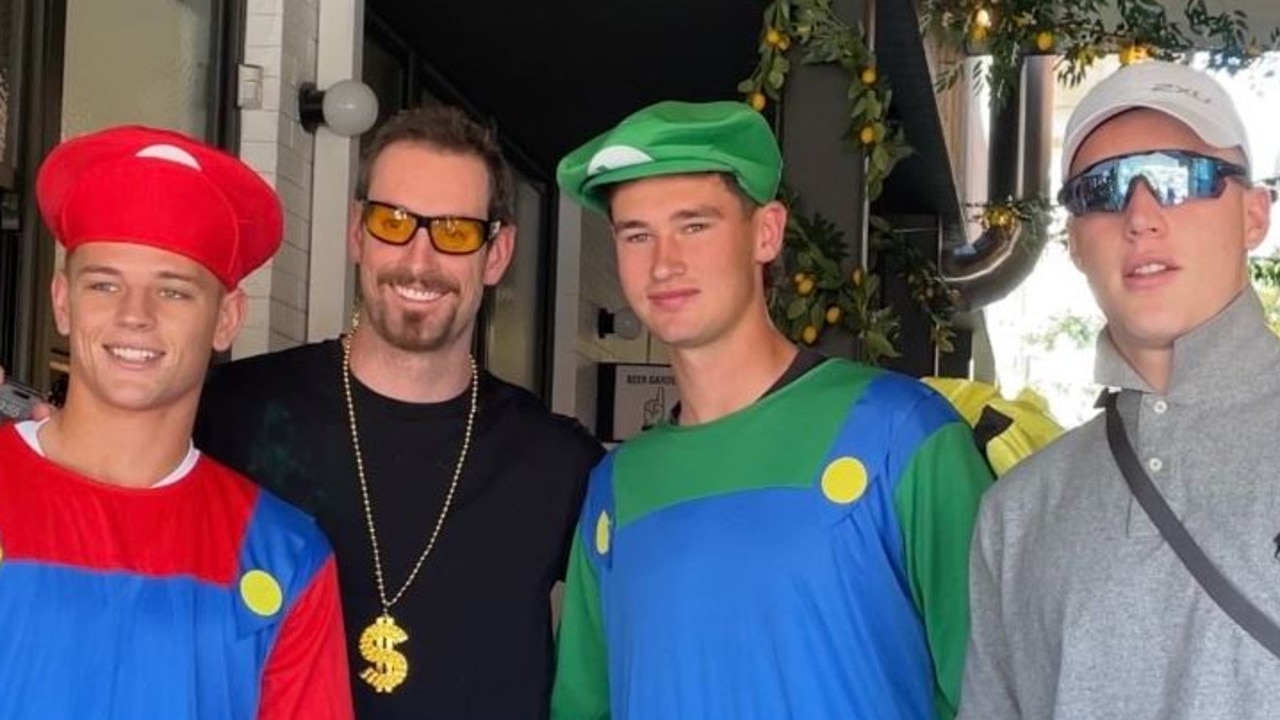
(163, 189)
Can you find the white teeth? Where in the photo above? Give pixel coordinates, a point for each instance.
(1150, 269)
(133, 354)
(417, 294)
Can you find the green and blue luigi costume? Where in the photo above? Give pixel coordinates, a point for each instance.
(805, 557)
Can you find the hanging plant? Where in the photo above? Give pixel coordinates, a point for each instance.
(810, 291)
(822, 38)
(930, 292)
(1082, 31)
(816, 290)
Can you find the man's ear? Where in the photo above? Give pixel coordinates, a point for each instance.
(771, 230)
(60, 290)
(498, 255)
(1073, 245)
(355, 230)
(233, 308)
(1257, 215)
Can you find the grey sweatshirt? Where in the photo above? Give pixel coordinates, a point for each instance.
(1079, 608)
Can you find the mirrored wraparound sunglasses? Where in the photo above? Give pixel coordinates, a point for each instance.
(1173, 176)
(449, 234)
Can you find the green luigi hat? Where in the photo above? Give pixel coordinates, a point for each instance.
(675, 138)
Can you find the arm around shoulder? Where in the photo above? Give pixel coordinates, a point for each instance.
(306, 677)
(578, 453)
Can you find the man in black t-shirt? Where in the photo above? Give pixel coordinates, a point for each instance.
(450, 496)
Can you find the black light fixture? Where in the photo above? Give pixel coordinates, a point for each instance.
(348, 108)
(622, 323)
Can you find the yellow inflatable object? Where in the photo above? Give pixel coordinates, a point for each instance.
(1006, 430)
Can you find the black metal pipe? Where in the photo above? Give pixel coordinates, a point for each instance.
(988, 268)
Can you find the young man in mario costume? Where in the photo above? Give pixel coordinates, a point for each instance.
(139, 578)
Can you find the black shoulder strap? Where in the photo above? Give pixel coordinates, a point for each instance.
(1236, 605)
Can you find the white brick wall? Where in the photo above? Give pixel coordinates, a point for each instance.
(281, 38)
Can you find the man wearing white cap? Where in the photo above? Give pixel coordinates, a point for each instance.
(1129, 570)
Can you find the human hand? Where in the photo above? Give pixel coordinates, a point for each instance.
(19, 402)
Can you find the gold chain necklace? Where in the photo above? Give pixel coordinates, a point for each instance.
(377, 644)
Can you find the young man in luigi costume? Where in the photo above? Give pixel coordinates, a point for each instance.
(793, 543)
(138, 577)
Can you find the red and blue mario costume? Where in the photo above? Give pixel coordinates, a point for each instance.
(202, 596)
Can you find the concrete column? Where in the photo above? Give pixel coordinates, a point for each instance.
(332, 279)
(820, 164)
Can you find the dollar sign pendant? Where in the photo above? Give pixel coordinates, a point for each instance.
(377, 645)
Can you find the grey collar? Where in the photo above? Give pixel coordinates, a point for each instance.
(1227, 356)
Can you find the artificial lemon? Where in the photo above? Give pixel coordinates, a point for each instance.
(1133, 53)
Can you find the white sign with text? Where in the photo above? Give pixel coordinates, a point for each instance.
(635, 398)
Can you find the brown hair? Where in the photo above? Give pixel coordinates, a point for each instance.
(452, 130)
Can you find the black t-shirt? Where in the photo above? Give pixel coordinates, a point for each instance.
(478, 614)
(804, 361)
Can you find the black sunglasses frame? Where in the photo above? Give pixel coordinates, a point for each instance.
(491, 227)
(1068, 196)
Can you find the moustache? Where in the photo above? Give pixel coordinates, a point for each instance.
(434, 282)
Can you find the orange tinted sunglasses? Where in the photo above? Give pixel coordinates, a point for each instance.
(449, 234)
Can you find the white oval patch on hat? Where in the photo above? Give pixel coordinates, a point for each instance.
(172, 153)
(614, 157)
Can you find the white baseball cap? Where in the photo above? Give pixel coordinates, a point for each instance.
(1182, 92)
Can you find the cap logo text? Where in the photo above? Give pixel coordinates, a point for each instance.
(1180, 90)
